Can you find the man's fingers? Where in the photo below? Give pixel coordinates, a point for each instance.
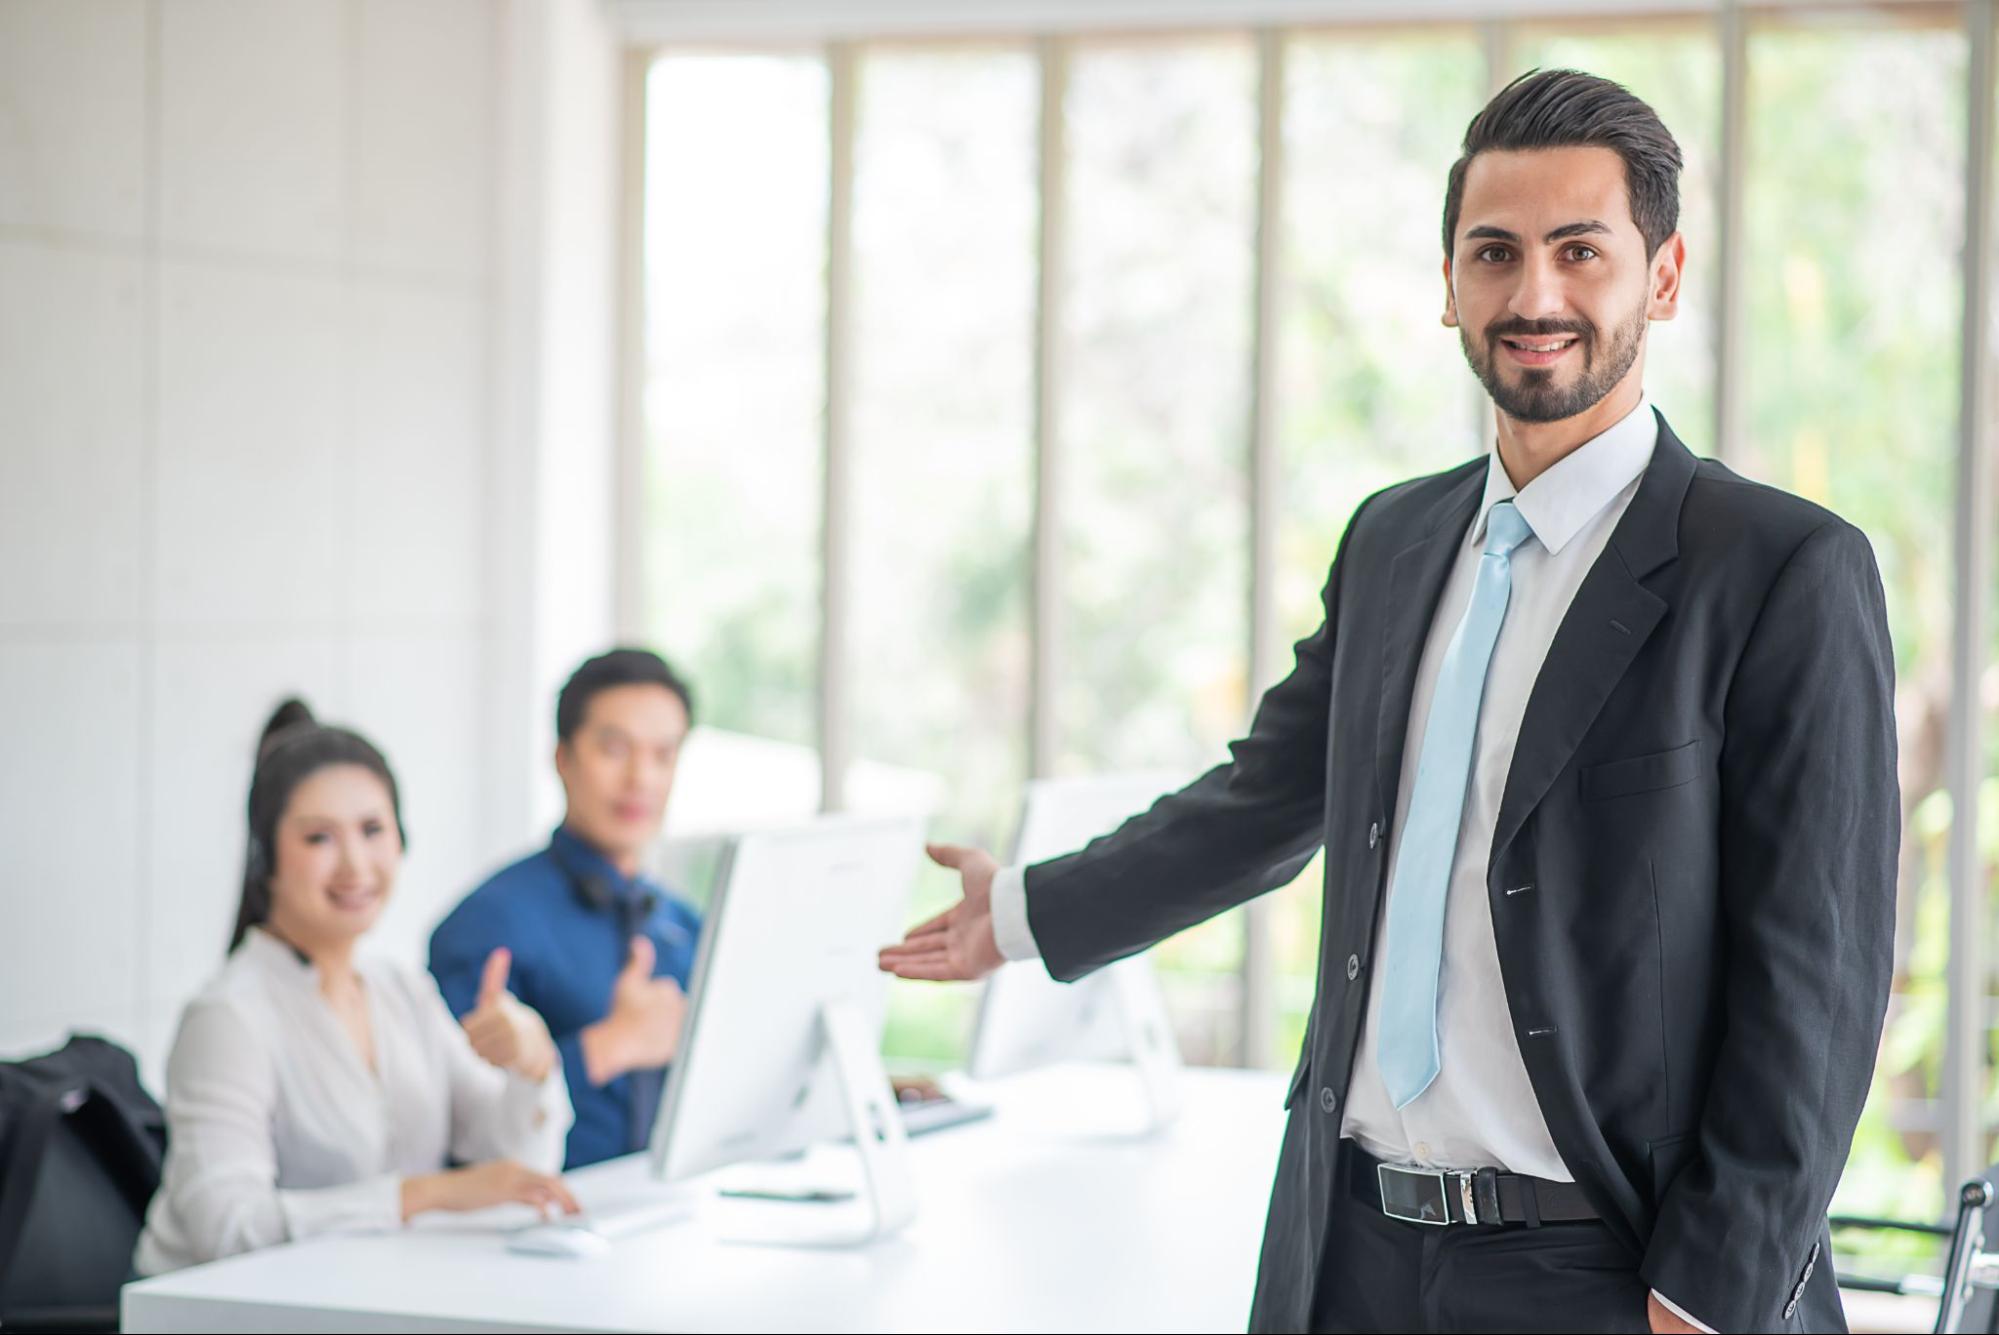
(936, 926)
(639, 963)
(942, 971)
(948, 855)
(916, 950)
(896, 960)
(494, 980)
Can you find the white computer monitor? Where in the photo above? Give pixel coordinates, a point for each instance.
(1027, 1019)
(781, 1049)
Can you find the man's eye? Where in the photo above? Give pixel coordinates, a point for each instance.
(318, 837)
(1493, 254)
(1582, 252)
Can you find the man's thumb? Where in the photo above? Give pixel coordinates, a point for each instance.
(639, 964)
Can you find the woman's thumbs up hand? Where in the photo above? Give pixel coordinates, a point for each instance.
(503, 1031)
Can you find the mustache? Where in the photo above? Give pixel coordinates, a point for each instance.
(1519, 328)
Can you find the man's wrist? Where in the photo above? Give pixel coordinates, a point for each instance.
(1680, 1312)
(1007, 902)
(604, 1052)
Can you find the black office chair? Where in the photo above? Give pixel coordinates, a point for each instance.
(1967, 1293)
(80, 1150)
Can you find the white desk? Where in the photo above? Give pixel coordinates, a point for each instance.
(1026, 1222)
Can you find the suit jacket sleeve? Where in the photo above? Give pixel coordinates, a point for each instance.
(1810, 822)
(1246, 826)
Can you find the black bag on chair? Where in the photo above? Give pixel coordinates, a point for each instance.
(80, 1148)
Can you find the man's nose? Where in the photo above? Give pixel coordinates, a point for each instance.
(1539, 294)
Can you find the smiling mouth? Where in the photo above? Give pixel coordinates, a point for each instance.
(1538, 351)
(350, 900)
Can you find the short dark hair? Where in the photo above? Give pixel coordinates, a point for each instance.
(1570, 109)
(619, 667)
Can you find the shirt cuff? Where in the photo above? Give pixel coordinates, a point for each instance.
(1009, 902)
(372, 1205)
(1682, 1313)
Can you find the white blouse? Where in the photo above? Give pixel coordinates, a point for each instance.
(277, 1129)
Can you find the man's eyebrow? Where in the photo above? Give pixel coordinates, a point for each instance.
(1587, 227)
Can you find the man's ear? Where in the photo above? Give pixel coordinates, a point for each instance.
(1669, 262)
(1450, 299)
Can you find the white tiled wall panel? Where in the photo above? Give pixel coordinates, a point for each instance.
(424, 163)
(251, 423)
(253, 126)
(72, 434)
(70, 715)
(417, 457)
(245, 323)
(73, 115)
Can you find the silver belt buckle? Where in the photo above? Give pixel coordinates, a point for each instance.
(1422, 1195)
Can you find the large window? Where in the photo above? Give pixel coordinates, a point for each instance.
(944, 241)
(1154, 388)
(1855, 227)
(735, 255)
(1103, 342)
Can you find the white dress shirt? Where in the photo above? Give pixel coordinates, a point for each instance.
(1480, 1111)
(277, 1130)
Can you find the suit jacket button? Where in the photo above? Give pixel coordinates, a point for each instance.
(1374, 834)
(1327, 1099)
(1353, 967)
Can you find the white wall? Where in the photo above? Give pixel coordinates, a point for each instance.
(262, 331)
(559, 221)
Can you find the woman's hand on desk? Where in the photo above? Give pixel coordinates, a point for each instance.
(483, 1185)
(957, 944)
(503, 1031)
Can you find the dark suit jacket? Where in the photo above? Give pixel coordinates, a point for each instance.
(1704, 802)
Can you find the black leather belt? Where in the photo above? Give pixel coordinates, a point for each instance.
(1450, 1196)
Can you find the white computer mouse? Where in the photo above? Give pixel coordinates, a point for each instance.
(559, 1238)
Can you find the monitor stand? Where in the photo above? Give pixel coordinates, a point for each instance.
(888, 1189)
(1149, 1031)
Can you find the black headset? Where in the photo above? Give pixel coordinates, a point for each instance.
(594, 891)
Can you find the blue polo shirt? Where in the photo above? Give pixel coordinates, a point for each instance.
(568, 915)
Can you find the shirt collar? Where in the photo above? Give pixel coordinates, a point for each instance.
(583, 862)
(264, 949)
(1577, 487)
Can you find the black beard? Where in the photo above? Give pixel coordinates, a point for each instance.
(1536, 398)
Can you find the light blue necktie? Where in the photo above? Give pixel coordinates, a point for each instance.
(1422, 876)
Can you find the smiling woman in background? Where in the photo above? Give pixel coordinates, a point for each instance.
(310, 1091)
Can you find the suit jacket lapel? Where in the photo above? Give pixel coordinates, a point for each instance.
(1415, 582)
(1608, 623)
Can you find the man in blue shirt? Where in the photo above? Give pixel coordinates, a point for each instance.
(602, 952)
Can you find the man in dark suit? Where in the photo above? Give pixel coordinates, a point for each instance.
(1598, 738)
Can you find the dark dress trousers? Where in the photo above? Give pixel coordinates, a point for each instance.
(1703, 805)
